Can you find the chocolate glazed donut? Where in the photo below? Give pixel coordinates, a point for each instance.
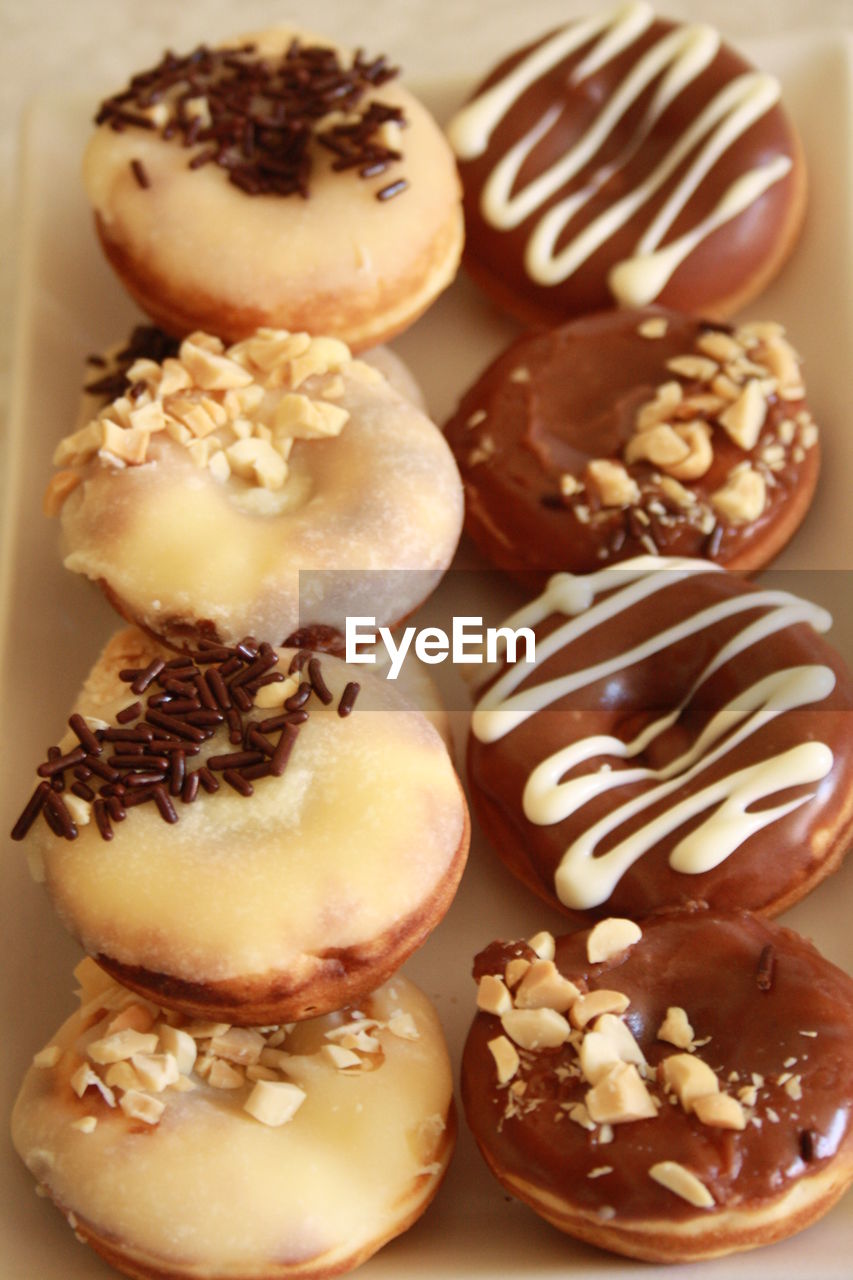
(764, 1019)
(627, 159)
(682, 736)
(639, 431)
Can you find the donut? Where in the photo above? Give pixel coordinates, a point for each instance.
(278, 181)
(634, 432)
(626, 159)
(245, 833)
(673, 1091)
(183, 1148)
(254, 489)
(680, 736)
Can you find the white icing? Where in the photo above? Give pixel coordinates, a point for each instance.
(585, 878)
(677, 59)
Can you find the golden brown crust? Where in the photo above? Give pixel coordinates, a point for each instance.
(360, 321)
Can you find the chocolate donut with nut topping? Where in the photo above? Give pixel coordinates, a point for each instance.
(634, 432)
(682, 1091)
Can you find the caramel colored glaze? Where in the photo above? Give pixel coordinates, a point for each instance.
(588, 380)
(706, 964)
(772, 868)
(726, 268)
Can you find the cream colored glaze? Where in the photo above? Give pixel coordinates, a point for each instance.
(584, 878)
(193, 226)
(383, 495)
(679, 57)
(356, 835)
(212, 1188)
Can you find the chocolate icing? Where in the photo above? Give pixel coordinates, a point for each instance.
(706, 964)
(587, 381)
(716, 269)
(773, 867)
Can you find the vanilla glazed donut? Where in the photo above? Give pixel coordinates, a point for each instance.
(633, 432)
(627, 159)
(186, 1148)
(682, 736)
(245, 833)
(672, 1092)
(273, 484)
(280, 181)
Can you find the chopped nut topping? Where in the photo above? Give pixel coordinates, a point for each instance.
(719, 346)
(274, 1102)
(515, 971)
(238, 1044)
(721, 1111)
(620, 1096)
(222, 1075)
(492, 995)
(506, 1058)
(610, 1041)
(155, 1070)
(676, 1028)
(84, 1077)
(402, 1025)
(342, 1059)
(614, 486)
(543, 944)
(536, 1028)
(139, 1106)
(590, 1006)
(656, 327)
(611, 937)
(689, 1078)
(744, 418)
(743, 496)
(122, 1045)
(134, 1016)
(86, 1124)
(236, 411)
(696, 368)
(682, 1183)
(543, 986)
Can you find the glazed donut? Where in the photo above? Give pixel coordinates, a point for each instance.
(239, 846)
(681, 736)
(292, 469)
(187, 1149)
(636, 432)
(627, 159)
(281, 181)
(672, 1093)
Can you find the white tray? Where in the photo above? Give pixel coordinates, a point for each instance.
(54, 623)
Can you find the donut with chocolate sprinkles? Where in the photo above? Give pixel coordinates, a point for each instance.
(269, 879)
(316, 192)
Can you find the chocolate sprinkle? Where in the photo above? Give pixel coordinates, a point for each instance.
(264, 119)
(766, 968)
(807, 1144)
(140, 173)
(348, 698)
(186, 700)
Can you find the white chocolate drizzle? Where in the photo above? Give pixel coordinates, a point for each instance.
(675, 61)
(584, 877)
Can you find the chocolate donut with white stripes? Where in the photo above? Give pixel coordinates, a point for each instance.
(627, 159)
(682, 736)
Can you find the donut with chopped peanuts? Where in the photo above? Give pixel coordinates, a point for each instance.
(711, 1114)
(637, 432)
(283, 456)
(260, 1128)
